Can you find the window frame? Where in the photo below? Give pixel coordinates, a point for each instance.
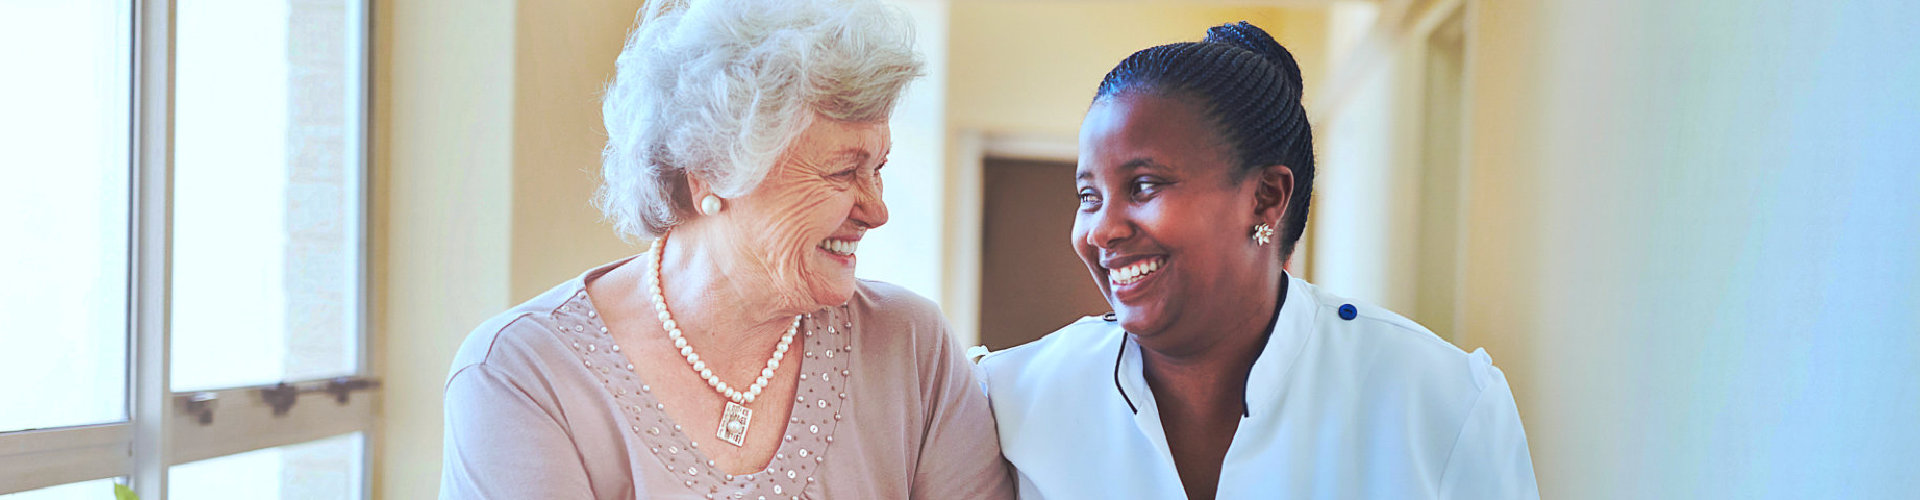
(161, 430)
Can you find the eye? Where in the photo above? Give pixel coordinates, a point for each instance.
(1147, 185)
(1088, 199)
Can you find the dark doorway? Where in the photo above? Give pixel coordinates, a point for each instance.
(1031, 282)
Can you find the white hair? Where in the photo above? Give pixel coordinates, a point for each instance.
(718, 89)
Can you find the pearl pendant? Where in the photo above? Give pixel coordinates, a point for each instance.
(737, 417)
(733, 424)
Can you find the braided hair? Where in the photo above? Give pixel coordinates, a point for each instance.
(1249, 86)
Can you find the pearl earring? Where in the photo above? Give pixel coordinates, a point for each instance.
(710, 205)
(1262, 233)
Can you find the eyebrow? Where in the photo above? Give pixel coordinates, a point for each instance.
(1138, 163)
(857, 156)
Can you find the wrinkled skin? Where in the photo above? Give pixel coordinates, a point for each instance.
(826, 185)
(734, 281)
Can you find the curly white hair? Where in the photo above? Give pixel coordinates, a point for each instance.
(717, 89)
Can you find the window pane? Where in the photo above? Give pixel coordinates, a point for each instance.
(266, 192)
(65, 129)
(97, 489)
(327, 469)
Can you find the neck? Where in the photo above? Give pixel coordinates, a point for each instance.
(1209, 371)
(716, 299)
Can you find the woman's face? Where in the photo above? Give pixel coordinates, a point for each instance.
(801, 225)
(1163, 225)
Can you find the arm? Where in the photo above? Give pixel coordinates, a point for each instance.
(960, 451)
(501, 444)
(1490, 458)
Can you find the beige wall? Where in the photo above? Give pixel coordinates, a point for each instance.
(487, 134)
(1031, 67)
(565, 53)
(1692, 242)
(440, 212)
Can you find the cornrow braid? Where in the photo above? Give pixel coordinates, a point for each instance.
(1250, 87)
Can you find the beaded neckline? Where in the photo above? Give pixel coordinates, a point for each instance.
(808, 433)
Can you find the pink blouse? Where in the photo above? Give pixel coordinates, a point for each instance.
(540, 403)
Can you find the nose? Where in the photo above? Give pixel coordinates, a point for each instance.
(869, 208)
(1108, 225)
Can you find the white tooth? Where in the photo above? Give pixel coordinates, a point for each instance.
(853, 246)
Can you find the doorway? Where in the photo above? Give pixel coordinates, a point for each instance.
(1031, 282)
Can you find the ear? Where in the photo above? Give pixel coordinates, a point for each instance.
(697, 188)
(1272, 191)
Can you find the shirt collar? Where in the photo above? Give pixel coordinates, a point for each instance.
(1292, 326)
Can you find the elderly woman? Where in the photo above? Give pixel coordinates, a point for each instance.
(738, 357)
(1218, 374)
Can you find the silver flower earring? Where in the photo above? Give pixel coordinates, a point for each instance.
(710, 205)
(1262, 233)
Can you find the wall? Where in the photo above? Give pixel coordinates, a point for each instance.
(1030, 68)
(1692, 241)
(440, 233)
(564, 54)
(907, 250)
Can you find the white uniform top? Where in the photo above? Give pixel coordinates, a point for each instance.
(1346, 400)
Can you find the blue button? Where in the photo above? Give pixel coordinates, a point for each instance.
(1347, 312)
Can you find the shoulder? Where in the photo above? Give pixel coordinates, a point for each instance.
(520, 337)
(1356, 332)
(894, 300)
(1086, 344)
(889, 313)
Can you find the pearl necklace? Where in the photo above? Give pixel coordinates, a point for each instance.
(693, 359)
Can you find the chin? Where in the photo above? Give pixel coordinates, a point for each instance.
(1142, 321)
(832, 292)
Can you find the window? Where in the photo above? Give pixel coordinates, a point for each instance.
(67, 151)
(183, 284)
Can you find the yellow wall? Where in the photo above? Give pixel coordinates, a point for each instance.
(1031, 67)
(1692, 242)
(487, 134)
(565, 58)
(443, 125)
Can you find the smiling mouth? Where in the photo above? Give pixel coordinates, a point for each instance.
(1135, 272)
(843, 248)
